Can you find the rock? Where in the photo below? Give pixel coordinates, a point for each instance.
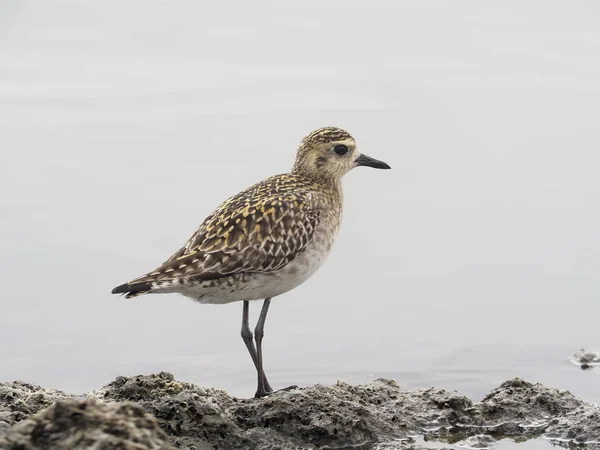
(79, 425)
(586, 359)
(519, 409)
(378, 415)
(478, 441)
(19, 400)
(194, 416)
(520, 402)
(338, 416)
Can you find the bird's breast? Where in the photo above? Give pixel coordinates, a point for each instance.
(317, 250)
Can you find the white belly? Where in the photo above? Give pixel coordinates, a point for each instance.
(267, 285)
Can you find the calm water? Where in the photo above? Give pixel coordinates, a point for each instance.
(476, 259)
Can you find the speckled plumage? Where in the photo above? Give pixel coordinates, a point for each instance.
(256, 238)
(258, 231)
(266, 240)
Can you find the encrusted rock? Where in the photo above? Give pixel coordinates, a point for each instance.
(87, 425)
(193, 416)
(19, 400)
(378, 415)
(337, 416)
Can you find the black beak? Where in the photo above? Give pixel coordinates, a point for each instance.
(364, 160)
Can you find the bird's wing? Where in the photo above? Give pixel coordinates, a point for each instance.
(259, 230)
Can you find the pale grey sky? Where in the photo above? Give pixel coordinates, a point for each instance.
(477, 258)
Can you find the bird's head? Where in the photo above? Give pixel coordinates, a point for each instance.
(327, 154)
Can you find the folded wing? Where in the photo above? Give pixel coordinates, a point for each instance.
(259, 230)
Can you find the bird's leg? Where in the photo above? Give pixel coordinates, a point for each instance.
(263, 388)
(263, 385)
(247, 337)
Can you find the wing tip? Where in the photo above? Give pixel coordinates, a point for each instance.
(122, 289)
(132, 288)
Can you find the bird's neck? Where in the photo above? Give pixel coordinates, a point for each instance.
(330, 185)
(328, 182)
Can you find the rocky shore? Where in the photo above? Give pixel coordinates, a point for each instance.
(158, 412)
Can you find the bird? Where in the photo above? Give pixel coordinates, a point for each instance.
(266, 240)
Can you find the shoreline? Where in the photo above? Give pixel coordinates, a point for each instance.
(158, 412)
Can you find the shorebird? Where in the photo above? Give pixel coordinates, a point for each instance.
(265, 240)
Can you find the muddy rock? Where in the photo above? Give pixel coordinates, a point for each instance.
(478, 441)
(337, 416)
(75, 425)
(519, 409)
(193, 416)
(340, 415)
(20, 400)
(378, 415)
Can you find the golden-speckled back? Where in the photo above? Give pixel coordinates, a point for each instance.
(259, 230)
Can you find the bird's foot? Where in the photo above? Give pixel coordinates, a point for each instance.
(289, 388)
(263, 392)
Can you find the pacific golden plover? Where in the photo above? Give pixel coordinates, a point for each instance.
(266, 240)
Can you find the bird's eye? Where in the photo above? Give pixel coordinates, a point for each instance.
(340, 149)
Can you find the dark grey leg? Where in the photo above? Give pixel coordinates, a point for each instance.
(258, 335)
(247, 337)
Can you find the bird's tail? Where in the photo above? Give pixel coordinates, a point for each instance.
(133, 289)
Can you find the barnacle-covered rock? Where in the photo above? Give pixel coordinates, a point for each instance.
(150, 411)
